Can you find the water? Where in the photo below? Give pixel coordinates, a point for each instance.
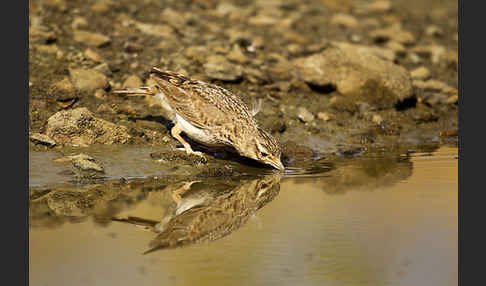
(373, 220)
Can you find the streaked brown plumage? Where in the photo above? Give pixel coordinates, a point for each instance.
(211, 115)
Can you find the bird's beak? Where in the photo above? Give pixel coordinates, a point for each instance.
(277, 165)
(144, 90)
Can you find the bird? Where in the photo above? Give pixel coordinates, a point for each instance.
(211, 115)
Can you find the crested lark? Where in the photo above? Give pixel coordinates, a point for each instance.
(210, 115)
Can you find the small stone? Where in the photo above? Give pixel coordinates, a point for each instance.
(377, 119)
(87, 165)
(101, 6)
(452, 99)
(70, 158)
(420, 73)
(103, 68)
(434, 31)
(414, 58)
(237, 55)
(42, 139)
(92, 55)
(62, 90)
(448, 133)
(103, 108)
(86, 80)
(60, 5)
(47, 49)
(304, 115)
(434, 85)
(380, 6)
(434, 52)
(91, 39)
(324, 116)
(217, 67)
(79, 22)
(393, 33)
(132, 47)
(396, 47)
(155, 30)
(100, 94)
(344, 20)
(132, 81)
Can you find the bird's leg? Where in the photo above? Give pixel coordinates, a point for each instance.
(176, 131)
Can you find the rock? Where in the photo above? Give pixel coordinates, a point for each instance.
(62, 90)
(237, 55)
(217, 67)
(86, 80)
(380, 6)
(80, 127)
(79, 22)
(87, 165)
(434, 31)
(91, 39)
(353, 70)
(377, 119)
(132, 47)
(448, 133)
(155, 30)
(434, 52)
(103, 68)
(101, 6)
(60, 5)
(452, 99)
(291, 151)
(41, 35)
(344, 20)
(393, 33)
(100, 94)
(42, 139)
(82, 162)
(324, 116)
(434, 85)
(304, 115)
(94, 56)
(132, 81)
(420, 73)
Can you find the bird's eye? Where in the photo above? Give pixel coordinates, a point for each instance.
(264, 154)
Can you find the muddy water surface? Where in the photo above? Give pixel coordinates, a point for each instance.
(371, 220)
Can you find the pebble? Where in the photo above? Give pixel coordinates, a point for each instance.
(100, 94)
(90, 38)
(42, 139)
(377, 119)
(92, 55)
(393, 33)
(380, 6)
(217, 67)
(420, 73)
(79, 22)
(88, 80)
(155, 30)
(132, 81)
(324, 116)
(62, 90)
(452, 99)
(344, 20)
(434, 85)
(304, 115)
(61, 5)
(103, 68)
(434, 31)
(434, 52)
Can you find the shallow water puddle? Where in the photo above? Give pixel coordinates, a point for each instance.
(363, 221)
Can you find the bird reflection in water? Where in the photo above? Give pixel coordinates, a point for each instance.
(208, 214)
